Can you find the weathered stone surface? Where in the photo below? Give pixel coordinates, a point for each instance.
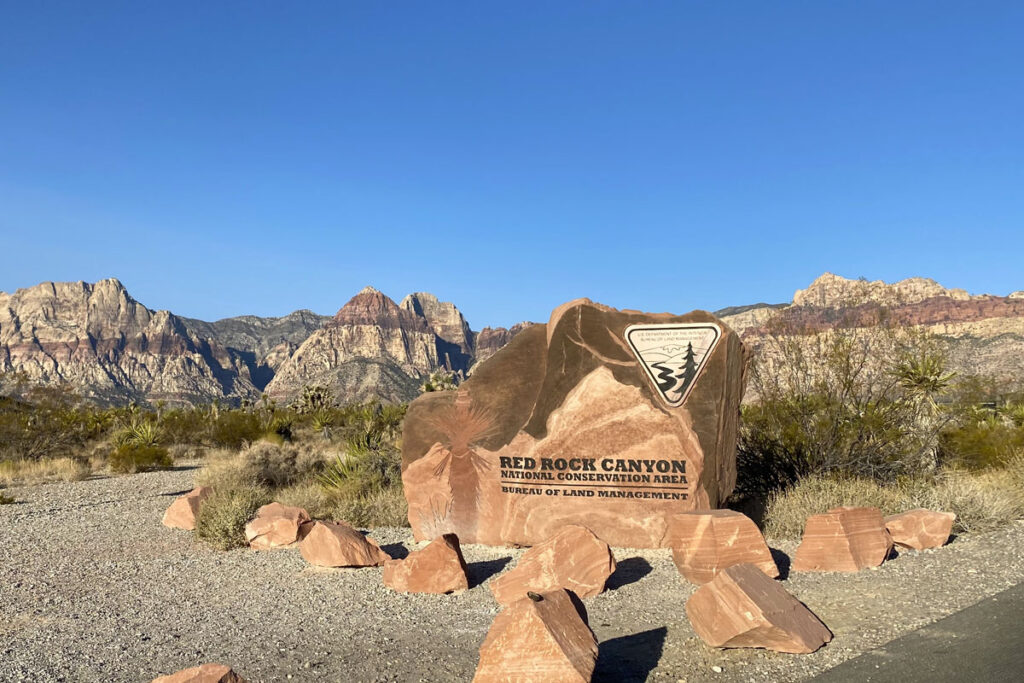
(565, 425)
(276, 526)
(438, 568)
(538, 641)
(844, 539)
(337, 544)
(705, 543)
(206, 673)
(920, 529)
(574, 559)
(743, 607)
(182, 512)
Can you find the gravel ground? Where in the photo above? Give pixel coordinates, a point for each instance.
(94, 588)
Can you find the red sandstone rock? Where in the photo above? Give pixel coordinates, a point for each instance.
(438, 568)
(183, 511)
(844, 539)
(743, 607)
(920, 529)
(207, 673)
(337, 544)
(574, 559)
(704, 543)
(573, 423)
(538, 641)
(276, 526)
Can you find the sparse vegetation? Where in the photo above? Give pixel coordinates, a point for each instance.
(14, 472)
(130, 458)
(223, 516)
(6, 500)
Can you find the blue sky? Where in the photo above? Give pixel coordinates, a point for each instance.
(252, 157)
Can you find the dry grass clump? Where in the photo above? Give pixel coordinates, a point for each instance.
(6, 500)
(310, 496)
(41, 471)
(982, 501)
(130, 458)
(386, 507)
(223, 516)
(269, 464)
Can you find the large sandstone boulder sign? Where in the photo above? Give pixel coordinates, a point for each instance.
(538, 639)
(615, 420)
(743, 607)
(704, 543)
(920, 529)
(438, 568)
(183, 511)
(337, 544)
(844, 539)
(574, 559)
(276, 526)
(207, 673)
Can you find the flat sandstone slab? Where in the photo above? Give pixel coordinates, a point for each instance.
(705, 543)
(920, 529)
(614, 420)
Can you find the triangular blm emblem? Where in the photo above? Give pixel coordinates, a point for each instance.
(673, 355)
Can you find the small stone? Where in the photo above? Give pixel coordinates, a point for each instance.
(844, 539)
(438, 568)
(538, 641)
(717, 669)
(183, 511)
(920, 529)
(338, 544)
(704, 543)
(276, 526)
(574, 558)
(206, 673)
(743, 607)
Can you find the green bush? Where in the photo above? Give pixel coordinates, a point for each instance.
(130, 458)
(232, 429)
(224, 514)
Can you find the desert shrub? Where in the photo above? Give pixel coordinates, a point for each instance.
(314, 399)
(186, 426)
(138, 432)
(6, 500)
(440, 380)
(982, 440)
(233, 428)
(981, 501)
(362, 471)
(129, 458)
(39, 471)
(386, 507)
(48, 422)
(224, 514)
(310, 496)
(261, 463)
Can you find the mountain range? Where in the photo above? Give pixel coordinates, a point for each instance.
(113, 349)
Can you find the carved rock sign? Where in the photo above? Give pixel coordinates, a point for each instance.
(613, 420)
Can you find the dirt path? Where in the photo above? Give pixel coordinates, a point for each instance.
(94, 588)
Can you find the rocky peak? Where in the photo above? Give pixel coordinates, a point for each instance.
(444, 319)
(833, 291)
(371, 307)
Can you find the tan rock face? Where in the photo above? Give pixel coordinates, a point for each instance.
(567, 425)
(574, 559)
(705, 543)
(543, 641)
(276, 526)
(336, 544)
(207, 673)
(183, 511)
(920, 529)
(438, 568)
(743, 607)
(844, 539)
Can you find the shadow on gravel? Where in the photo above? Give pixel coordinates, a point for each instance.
(481, 571)
(175, 493)
(397, 551)
(630, 570)
(182, 468)
(629, 658)
(782, 561)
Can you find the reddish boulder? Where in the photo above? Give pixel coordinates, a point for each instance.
(574, 559)
(743, 607)
(616, 420)
(276, 526)
(207, 673)
(337, 544)
(920, 529)
(538, 639)
(704, 543)
(183, 511)
(438, 568)
(844, 539)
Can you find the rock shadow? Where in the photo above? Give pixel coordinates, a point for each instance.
(175, 494)
(782, 561)
(396, 551)
(630, 658)
(630, 570)
(478, 572)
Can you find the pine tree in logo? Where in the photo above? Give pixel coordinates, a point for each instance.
(687, 372)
